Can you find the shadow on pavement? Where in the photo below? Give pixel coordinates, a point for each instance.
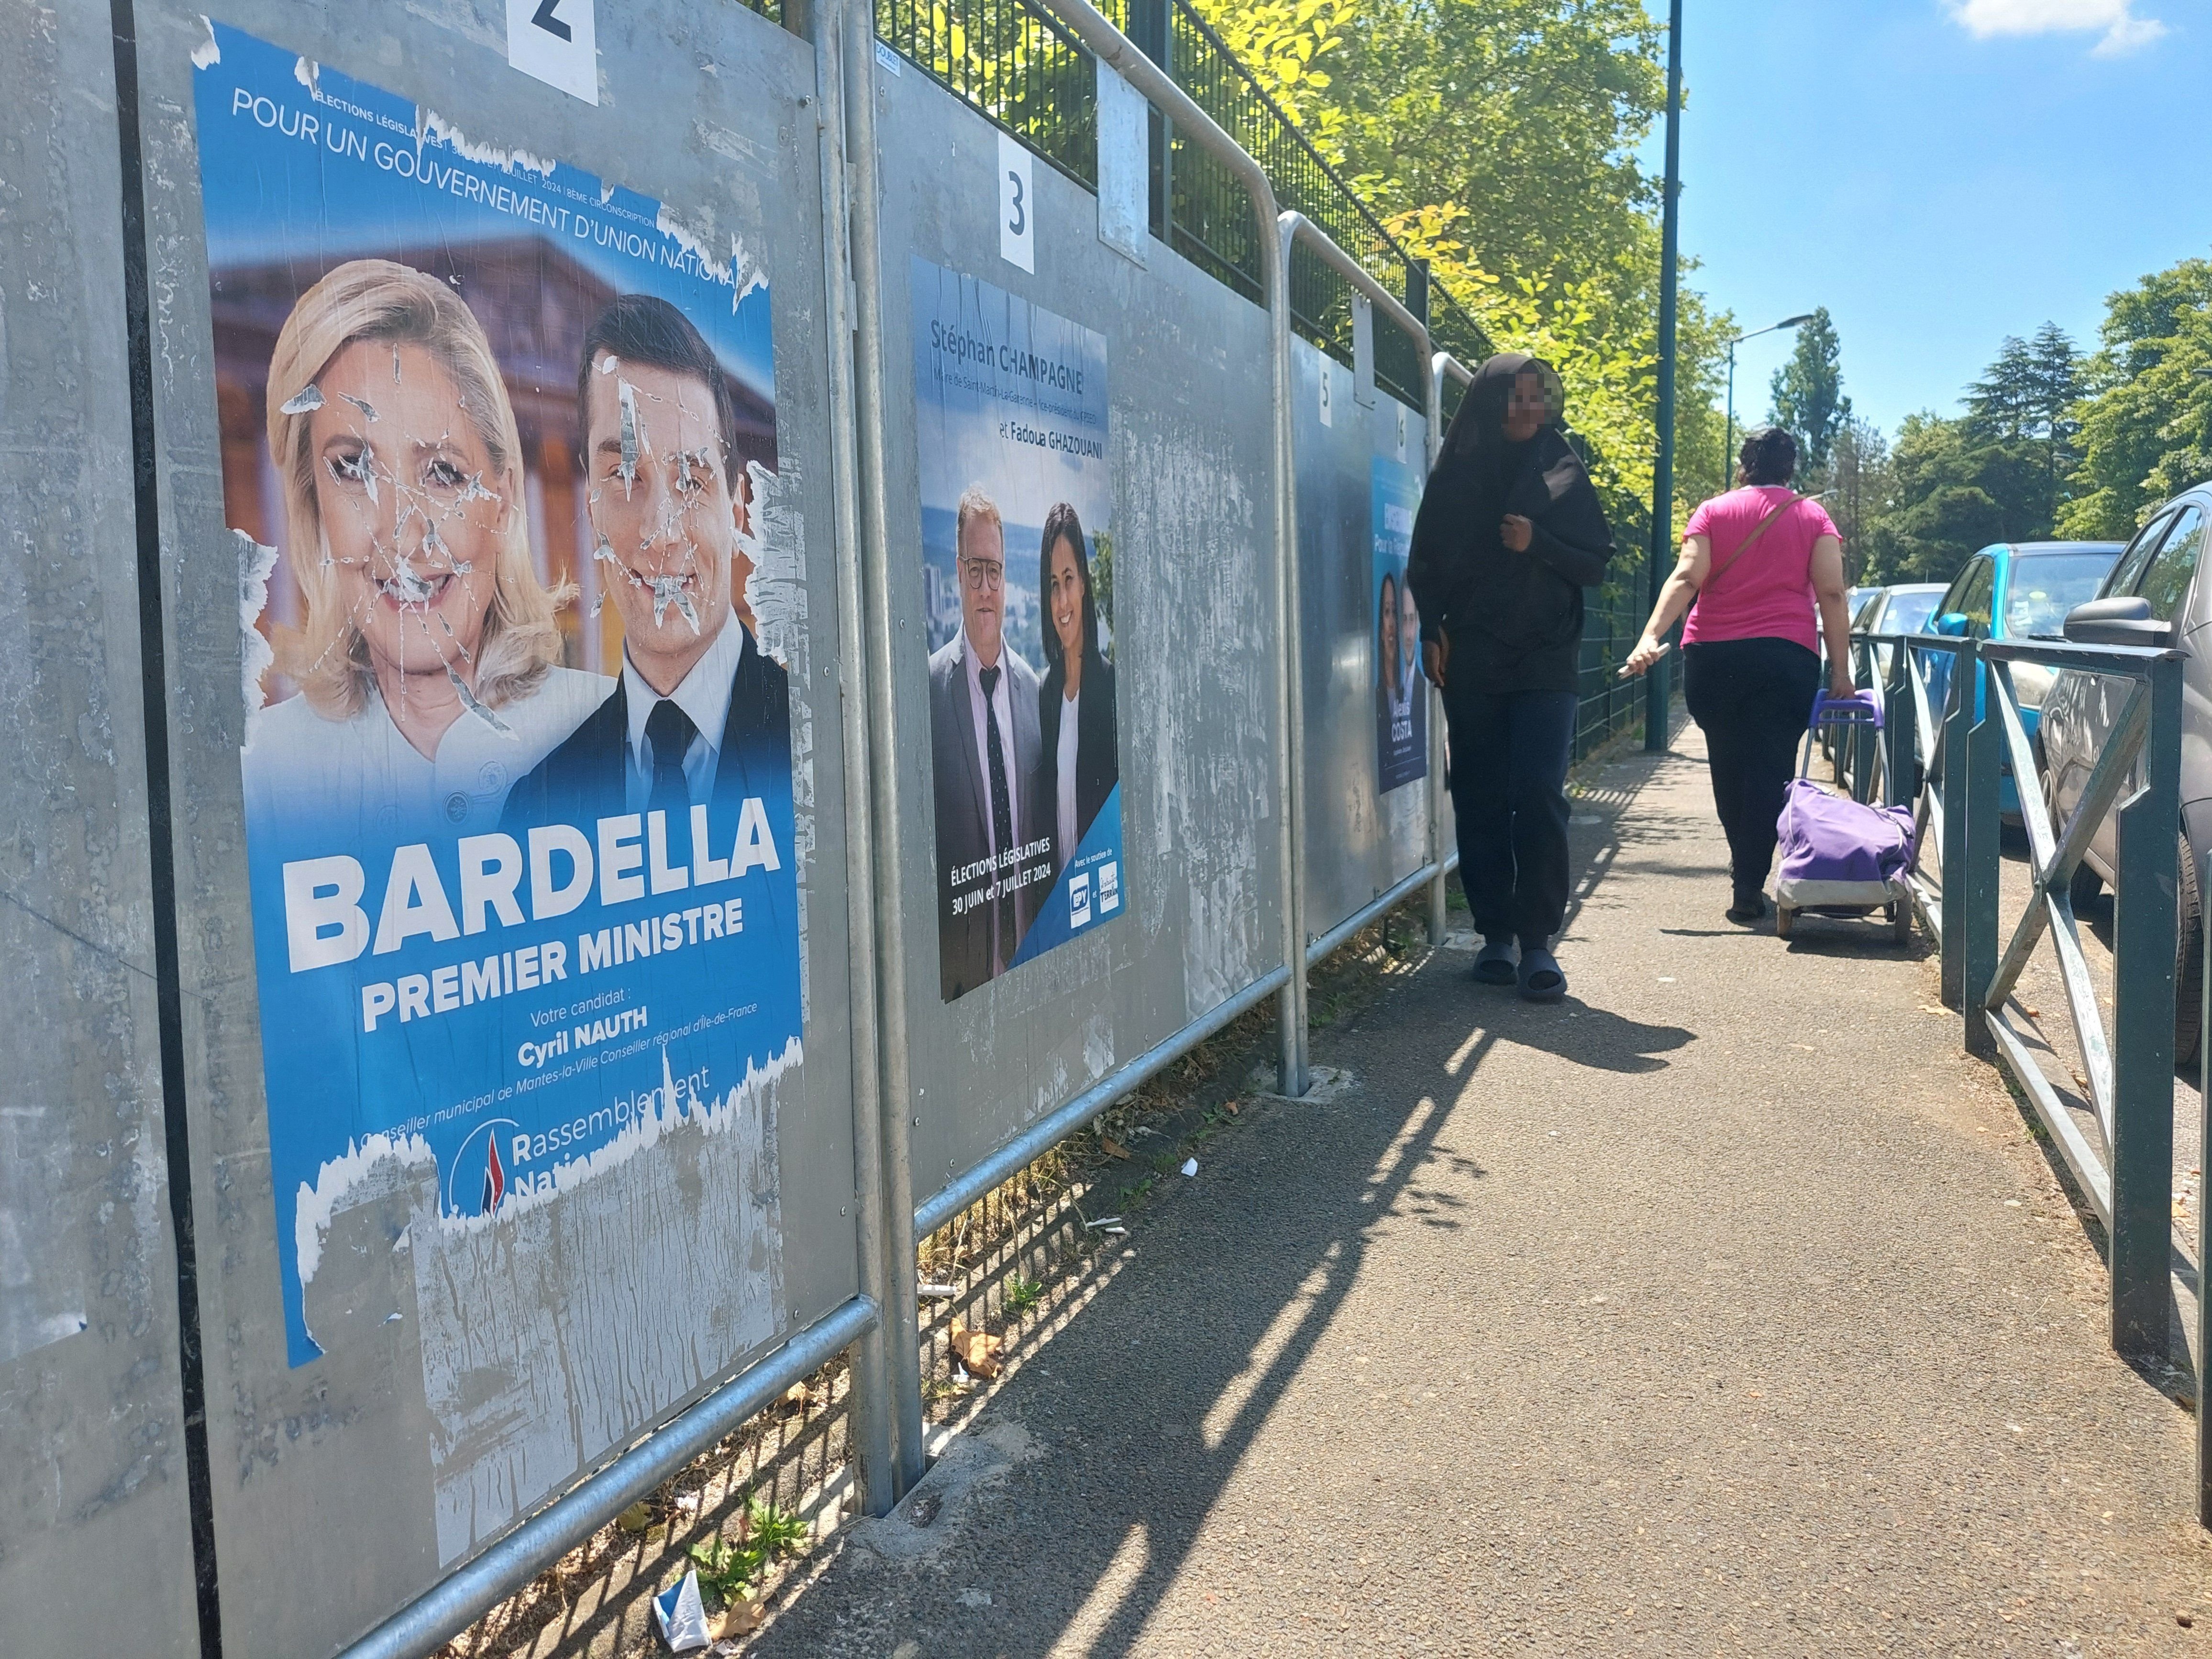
(1138, 1412)
(1603, 1040)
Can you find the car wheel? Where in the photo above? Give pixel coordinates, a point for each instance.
(2083, 889)
(2188, 959)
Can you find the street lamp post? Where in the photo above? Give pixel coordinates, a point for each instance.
(1655, 690)
(1727, 440)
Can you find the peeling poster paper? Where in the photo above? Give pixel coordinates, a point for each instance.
(525, 1040)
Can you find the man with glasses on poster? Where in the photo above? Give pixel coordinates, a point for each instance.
(985, 746)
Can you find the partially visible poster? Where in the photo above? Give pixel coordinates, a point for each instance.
(1401, 703)
(518, 769)
(1017, 557)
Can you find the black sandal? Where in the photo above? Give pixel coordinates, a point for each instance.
(1747, 908)
(1493, 963)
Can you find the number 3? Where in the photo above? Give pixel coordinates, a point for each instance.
(1020, 224)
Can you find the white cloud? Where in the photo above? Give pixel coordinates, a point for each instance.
(2123, 32)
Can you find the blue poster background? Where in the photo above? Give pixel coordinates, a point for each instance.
(1010, 404)
(1402, 702)
(628, 974)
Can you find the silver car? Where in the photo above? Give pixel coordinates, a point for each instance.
(2154, 596)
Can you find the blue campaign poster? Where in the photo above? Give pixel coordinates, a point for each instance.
(518, 764)
(1402, 702)
(1018, 552)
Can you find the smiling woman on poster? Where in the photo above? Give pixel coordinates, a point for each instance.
(1078, 765)
(428, 659)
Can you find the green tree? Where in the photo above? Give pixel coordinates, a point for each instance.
(2026, 400)
(2146, 427)
(1858, 487)
(1950, 493)
(1498, 139)
(1807, 395)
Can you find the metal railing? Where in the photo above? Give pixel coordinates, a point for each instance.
(2123, 1159)
(1012, 61)
(1947, 748)
(1608, 706)
(1015, 62)
(1920, 683)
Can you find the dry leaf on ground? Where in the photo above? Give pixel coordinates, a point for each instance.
(976, 1351)
(1111, 1147)
(739, 1619)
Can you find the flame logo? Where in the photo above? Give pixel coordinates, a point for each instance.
(478, 1178)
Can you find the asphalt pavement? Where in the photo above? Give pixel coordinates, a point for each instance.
(1725, 1308)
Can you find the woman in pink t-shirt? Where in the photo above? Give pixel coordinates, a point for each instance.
(1757, 564)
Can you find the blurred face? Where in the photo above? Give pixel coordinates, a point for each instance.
(1526, 408)
(1066, 599)
(983, 585)
(665, 512)
(1389, 634)
(412, 514)
(1409, 623)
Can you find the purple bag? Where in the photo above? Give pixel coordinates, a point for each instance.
(1836, 851)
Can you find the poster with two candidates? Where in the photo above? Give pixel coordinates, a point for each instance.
(1017, 553)
(1401, 695)
(497, 437)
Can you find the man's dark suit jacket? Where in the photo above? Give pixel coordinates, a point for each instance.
(584, 778)
(963, 807)
(1097, 763)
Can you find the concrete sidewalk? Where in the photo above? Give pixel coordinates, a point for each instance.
(1723, 1309)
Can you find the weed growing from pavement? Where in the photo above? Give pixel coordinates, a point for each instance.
(1022, 1294)
(765, 1533)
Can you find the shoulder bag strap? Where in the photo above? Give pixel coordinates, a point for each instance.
(1744, 546)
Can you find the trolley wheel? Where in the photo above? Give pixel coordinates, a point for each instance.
(1784, 920)
(1900, 922)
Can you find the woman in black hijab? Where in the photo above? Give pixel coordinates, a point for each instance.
(1508, 534)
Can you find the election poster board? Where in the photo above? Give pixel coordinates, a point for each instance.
(517, 768)
(1017, 560)
(1401, 718)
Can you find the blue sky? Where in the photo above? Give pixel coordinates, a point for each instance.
(1938, 175)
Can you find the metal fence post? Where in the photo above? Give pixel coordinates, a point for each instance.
(874, 1408)
(2144, 907)
(1291, 752)
(1951, 780)
(1438, 918)
(902, 1307)
(1977, 877)
(1901, 763)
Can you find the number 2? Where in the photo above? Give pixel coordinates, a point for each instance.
(1020, 224)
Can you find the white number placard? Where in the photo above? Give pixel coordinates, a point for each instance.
(557, 42)
(1016, 210)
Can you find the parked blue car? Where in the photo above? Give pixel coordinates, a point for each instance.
(2018, 590)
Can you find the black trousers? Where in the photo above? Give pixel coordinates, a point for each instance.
(1509, 774)
(1752, 697)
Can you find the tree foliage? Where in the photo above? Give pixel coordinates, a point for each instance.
(1807, 394)
(1497, 139)
(2146, 427)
